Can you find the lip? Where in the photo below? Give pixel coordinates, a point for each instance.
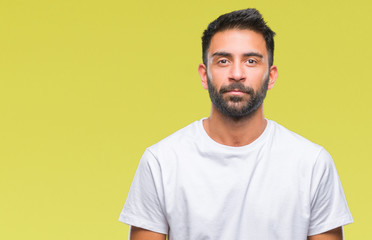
(236, 92)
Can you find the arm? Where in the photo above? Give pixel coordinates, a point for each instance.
(144, 207)
(143, 234)
(334, 234)
(328, 204)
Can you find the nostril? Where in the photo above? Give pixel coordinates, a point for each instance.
(237, 73)
(237, 78)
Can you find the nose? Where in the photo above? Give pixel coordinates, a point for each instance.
(237, 72)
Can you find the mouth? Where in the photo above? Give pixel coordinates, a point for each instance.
(236, 92)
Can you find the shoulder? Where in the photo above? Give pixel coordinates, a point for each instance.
(178, 141)
(291, 139)
(291, 143)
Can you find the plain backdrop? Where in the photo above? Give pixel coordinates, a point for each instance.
(86, 86)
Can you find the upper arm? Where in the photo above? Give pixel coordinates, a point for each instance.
(334, 234)
(143, 234)
(144, 206)
(328, 206)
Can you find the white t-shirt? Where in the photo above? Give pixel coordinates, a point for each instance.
(281, 186)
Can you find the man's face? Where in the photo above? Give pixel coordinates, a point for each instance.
(238, 74)
(237, 105)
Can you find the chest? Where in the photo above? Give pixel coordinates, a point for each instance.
(259, 187)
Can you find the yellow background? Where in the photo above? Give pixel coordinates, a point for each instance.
(86, 86)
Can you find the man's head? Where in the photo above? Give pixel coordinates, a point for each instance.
(247, 19)
(237, 69)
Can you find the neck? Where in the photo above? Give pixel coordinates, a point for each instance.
(235, 132)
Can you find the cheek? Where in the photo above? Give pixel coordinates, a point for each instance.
(218, 75)
(257, 78)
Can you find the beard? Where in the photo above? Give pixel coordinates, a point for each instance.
(237, 107)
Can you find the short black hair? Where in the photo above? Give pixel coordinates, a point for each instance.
(250, 19)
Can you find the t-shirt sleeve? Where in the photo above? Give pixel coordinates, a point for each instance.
(144, 206)
(329, 208)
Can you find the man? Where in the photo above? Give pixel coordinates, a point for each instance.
(236, 175)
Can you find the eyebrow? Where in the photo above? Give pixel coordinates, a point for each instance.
(248, 54)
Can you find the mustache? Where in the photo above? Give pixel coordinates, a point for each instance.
(236, 86)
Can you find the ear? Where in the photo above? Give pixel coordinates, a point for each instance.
(273, 76)
(202, 69)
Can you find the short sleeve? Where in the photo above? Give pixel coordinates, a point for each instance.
(329, 208)
(144, 206)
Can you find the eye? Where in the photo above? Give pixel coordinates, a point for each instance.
(251, 61)
(222, 61)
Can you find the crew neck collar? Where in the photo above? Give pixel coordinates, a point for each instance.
(252, 145)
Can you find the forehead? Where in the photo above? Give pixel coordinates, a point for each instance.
(238, 42)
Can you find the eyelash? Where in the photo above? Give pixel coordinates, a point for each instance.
(220, 61)
(249, 61)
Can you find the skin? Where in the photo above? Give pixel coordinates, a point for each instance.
(335, 234)
(247, 62)
(236, 56)
(143, 234)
